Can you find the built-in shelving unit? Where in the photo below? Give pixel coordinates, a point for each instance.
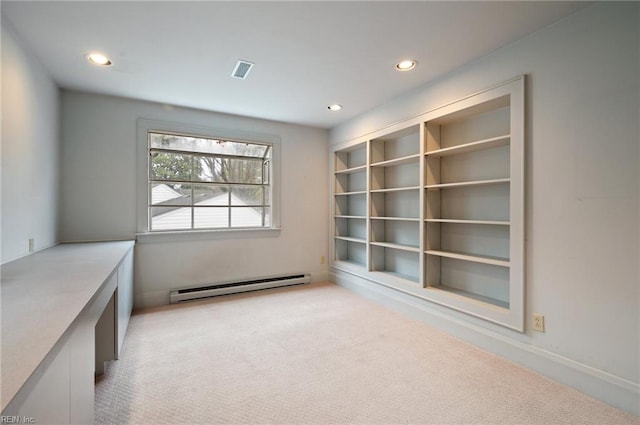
(434, 206)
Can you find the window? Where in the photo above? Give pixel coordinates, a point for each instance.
(195, 180)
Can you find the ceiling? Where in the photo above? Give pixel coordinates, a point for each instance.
(307, 55)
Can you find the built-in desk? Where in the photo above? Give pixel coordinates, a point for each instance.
(63, 309)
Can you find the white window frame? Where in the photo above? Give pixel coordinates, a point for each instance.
(142, 188)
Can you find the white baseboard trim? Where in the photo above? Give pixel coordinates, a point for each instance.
(614, 390)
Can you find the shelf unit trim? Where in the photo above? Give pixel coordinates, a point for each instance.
(493, 142)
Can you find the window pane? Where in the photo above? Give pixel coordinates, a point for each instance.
(211, 217)
(169, 194)
(170, 218)
(206, 145)
(246, 195)
(210, 195)
(246, 217)
(170, 166)
(210, 169)
(244, 171)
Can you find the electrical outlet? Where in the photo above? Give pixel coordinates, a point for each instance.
(32, 245)
(322, 260)
(538, 322)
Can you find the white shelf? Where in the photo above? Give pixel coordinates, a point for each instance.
(412, 279)
(395, 189)
(360, 217)
(466, 294)
(466, 184)
(350, 239)
(347, 263)
(397, 161)
(493, 142)
(396, 218)
(358, 192)
(495, 261)
(396, 246)
(448, 220)
(352, 170)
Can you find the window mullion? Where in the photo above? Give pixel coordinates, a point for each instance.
(193, 222)
(229, 205)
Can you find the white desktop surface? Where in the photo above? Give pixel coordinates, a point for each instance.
(41, 296)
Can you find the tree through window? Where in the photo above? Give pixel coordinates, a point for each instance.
(207, 183)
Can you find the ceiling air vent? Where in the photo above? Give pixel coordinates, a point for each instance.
(242, 69)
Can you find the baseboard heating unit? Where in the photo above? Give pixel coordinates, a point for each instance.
(190, 294)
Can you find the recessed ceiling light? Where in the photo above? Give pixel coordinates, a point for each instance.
(98, 59)
(334, 107)
(406, 65)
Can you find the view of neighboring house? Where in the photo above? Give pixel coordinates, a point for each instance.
(175, 211)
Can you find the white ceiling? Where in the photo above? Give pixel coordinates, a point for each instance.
(307, 54)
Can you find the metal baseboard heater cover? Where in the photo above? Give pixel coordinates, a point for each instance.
(190, 294)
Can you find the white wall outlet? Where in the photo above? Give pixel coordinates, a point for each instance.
(538, 322)
(323, 260)
(32, 245)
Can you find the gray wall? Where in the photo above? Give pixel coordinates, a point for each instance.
(582, 181)
(99, 196)
(30, 151)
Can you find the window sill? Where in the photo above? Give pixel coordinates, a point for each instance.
(201, 235)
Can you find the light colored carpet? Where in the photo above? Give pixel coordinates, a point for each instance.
(319, 354)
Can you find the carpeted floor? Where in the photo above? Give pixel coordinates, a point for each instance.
(319, 354)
